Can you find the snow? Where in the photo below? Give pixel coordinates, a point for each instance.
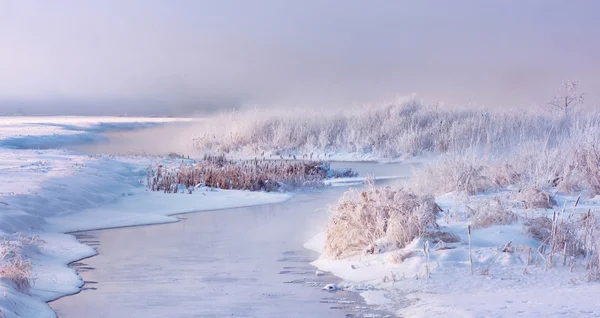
(49, 191)
(143, 207)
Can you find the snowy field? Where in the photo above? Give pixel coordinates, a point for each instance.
(46, 192)
(495, 222)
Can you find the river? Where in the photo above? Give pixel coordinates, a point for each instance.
(243, 262)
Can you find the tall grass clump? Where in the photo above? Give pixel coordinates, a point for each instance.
(533, 197)
(375, 219)
(571, 239)
(15, 267)
(253, 175)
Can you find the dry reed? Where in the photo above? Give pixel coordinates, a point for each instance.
(253, 175)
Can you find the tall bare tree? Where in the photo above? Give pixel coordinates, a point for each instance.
(567, 98)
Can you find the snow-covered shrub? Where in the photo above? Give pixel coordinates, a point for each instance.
(487, 212)
(572, 235)
(452, 174)
(376, 219)
(583, 171)
(17, 270)
(14, 266)
(532, 197)
(503, 175)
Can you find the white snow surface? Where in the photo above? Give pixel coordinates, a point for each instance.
(48, 191)
(512, 288)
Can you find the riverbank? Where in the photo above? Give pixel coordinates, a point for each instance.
(52, 191)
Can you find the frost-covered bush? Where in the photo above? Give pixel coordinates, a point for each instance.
(567, 238)
(583, 170)
(14, 266)
(571, 239)
(452, 174)
(533, 197)
(376, 219)
(539, 227)
(488, 212)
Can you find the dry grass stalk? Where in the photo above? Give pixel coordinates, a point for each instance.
(426, 251)
(505, 248)
(470, 255)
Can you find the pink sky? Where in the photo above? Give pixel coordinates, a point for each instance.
(178, 55)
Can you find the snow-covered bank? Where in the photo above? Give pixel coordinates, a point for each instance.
(517, 188)
(53, 191)
(510, 275)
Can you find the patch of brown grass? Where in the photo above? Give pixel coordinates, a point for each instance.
(253, 175)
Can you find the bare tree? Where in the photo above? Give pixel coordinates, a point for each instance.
(567, 98)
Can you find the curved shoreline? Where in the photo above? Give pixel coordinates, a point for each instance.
(353, 298)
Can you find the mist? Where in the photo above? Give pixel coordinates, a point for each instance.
(185, 57)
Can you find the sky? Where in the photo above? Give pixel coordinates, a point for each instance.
(179, 57)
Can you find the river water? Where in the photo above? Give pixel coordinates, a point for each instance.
(244, 262)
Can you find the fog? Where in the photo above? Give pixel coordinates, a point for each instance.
(181, 57)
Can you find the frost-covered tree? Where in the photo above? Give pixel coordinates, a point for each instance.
(567, 98)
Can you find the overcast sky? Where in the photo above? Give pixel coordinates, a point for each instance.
(171, 57)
